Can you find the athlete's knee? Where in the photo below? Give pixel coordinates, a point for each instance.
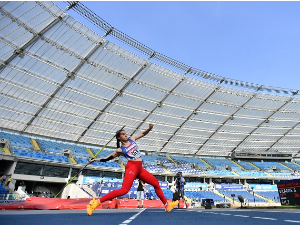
(124, 191)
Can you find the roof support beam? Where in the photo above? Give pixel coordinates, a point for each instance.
(159, 104)
(70, 75)
(73, 4)
(267, 119)
(287, 131)
(229, 118)
(192, 113)
(113, 98)
(283, 136)
(34, 39)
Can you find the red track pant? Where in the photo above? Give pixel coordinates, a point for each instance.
(135, 170)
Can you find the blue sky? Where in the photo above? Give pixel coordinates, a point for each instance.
(252, 41)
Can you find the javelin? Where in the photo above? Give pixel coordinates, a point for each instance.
(86, 164)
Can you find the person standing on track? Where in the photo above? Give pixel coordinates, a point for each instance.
(130, 150)
(140, 193)
(179, 185)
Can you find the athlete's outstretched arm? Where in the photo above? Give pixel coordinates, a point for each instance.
(113, 155)
(145, 132)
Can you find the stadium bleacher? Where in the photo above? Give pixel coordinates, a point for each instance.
(52, 150)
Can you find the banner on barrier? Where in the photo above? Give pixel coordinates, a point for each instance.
(228, 186)
(263, 187)
(195, 185)
(91, 180)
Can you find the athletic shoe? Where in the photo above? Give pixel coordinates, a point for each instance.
(171, 205)
(92, 206)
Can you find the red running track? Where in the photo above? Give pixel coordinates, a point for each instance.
(79, 203)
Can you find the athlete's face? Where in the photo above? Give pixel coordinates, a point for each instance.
(123, 136)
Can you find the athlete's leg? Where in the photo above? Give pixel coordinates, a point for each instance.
(147, 177)
(131, 172)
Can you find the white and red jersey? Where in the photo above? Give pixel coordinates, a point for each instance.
(132, 151)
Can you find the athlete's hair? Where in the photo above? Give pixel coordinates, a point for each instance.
(118, 140)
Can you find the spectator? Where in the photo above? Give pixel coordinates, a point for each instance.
(140, 193)
(8, 181)
(3, 179)
(179, 185)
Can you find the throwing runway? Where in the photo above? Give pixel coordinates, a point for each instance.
(152, 216)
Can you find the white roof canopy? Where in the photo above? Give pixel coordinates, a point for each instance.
(62, 80)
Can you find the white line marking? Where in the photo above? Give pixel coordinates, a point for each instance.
(292, 221)
(241, 215)
(225, 214)
(273, 211)
(264, 218)
(131, 218)
(158, 211)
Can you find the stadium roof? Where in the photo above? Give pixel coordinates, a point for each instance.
(62, 80)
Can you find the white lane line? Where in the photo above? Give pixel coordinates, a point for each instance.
(292, 221)
(273, 211)
(225, 214)
(264, 218)
(241, 215)
(131, 218)
(163, 211)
